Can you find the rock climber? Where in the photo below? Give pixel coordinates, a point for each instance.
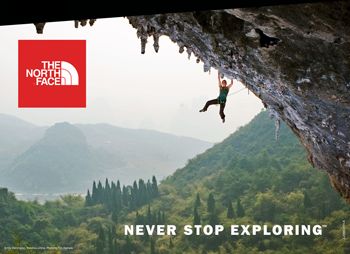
(224, 89)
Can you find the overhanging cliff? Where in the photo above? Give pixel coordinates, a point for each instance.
(295, 58)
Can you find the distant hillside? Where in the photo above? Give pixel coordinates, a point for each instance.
(145, 152)
(252, 179)
(252, 146)
(68, 157)
(16, 136)
(60, 161)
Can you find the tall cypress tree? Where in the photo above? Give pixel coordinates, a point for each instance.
(107, 186)
(149, 190)
(118, 197)
(239, 209)
(213, 219)
(107, 195)
(155, 187)
(113, 198)
(125, 196)
(142, 193)
(196, 217)
(197, 202)
(99, 192)
(211, 203)
(134, 201)
(94, 194)
(88, 199)
(113, 186)
(230, 213)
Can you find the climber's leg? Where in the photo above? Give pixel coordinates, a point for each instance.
(211, 102)
(222, 114)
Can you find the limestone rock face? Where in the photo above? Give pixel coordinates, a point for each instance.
(295, 58)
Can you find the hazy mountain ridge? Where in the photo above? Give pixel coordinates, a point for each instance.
(68, 157)
(60, 160)
(144, 147)
(16, 135)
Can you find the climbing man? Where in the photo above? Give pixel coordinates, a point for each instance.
(224, 89)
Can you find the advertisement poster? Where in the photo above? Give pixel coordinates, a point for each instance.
(224, 130)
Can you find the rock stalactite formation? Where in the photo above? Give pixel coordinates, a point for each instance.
(295, 58)
(40, 26)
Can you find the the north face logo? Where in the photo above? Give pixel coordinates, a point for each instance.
(55, 73)
(51, 73)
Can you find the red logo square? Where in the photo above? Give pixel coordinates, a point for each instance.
(51, 73)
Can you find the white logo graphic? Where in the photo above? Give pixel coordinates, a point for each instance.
(54, 73)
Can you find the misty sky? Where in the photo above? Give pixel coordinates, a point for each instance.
(161, 91)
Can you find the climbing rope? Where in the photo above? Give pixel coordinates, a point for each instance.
(240, 90)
